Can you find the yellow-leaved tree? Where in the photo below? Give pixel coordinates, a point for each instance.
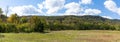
(13, 19)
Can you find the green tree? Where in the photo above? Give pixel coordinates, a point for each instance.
(3, 17)
(37, 23)
(1, 11)
(23, 20)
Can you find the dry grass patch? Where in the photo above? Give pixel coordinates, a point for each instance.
(64, 36)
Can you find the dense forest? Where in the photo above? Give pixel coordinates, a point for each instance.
(17, 24)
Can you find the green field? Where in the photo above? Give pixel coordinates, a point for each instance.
(64, 36)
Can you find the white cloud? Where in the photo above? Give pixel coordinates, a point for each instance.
(25, 10)
(75, 9)
(53, 6)
(107, 17)
(40, 6)
(92, 12)
(86, 1)
(111, 5)
(72, 8)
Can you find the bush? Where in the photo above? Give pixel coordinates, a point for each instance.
(24, 28)
(8, 27)
(1, 28)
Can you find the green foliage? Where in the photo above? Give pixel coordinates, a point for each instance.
(24, 28)
(23, 20)
(2, 17)
(37, 23)
(95, 27)
(1, 11)
(7, 27)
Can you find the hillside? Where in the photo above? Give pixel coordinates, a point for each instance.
(88, 18)
(80, 22)
(76, 19)
(16, 23)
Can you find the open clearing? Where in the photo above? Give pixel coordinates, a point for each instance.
(64, 36)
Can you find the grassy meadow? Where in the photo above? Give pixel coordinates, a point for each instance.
(63, 36)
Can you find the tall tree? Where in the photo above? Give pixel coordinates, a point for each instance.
(37, 23)
(2, 17)
(13, 18)
(7, 10)
(1, 11)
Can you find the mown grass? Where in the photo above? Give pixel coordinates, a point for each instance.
(64, 36)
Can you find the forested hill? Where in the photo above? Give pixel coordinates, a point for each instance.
(16, 23)
(71, 18)
(81, 22)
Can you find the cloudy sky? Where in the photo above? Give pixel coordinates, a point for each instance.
(105, 8)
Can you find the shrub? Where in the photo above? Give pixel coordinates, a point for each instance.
(8, 27)
(24, 28)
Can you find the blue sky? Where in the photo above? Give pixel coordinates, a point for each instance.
(105, 8)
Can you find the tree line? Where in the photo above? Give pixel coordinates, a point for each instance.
(28, 24)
